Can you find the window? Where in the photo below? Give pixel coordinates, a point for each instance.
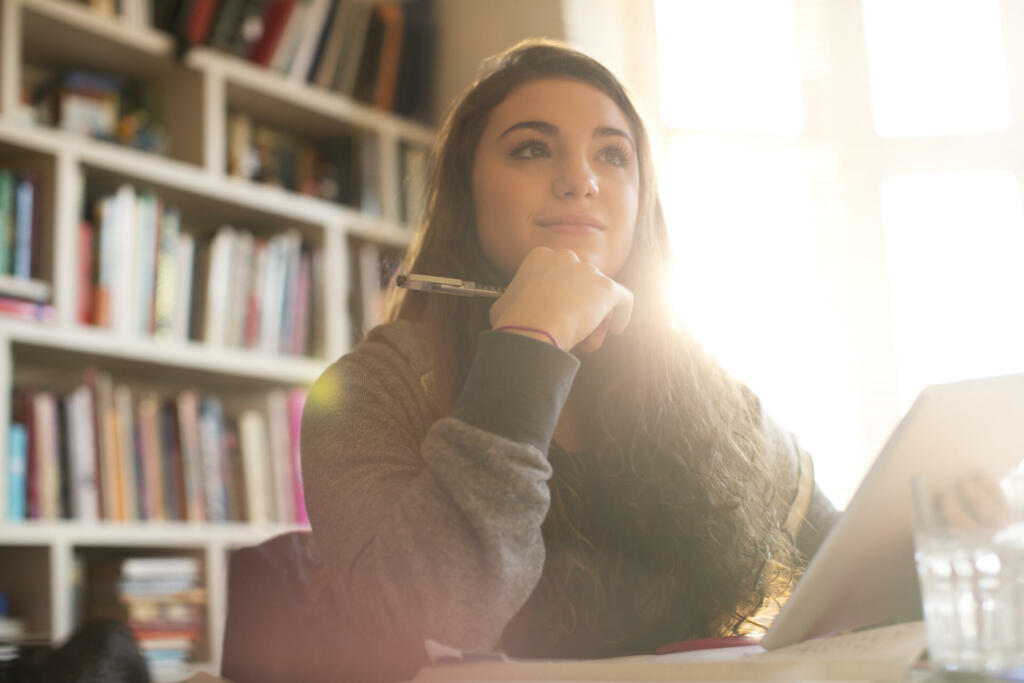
(844, 194)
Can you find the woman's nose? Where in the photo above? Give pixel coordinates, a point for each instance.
(575, 179)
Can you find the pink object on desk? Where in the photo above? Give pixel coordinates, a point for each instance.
(707, 644)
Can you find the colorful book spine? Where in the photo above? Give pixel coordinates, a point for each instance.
(166, 286)
(189, 437)
(6, 218)
(24, 216)
(17, 472)
(211, 432)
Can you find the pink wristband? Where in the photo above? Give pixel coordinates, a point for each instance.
(524, 328)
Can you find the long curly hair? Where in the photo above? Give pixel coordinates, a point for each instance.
(676, 475)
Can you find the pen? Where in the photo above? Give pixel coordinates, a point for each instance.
(447, 285)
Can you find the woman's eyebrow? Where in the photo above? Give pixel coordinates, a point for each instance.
(606, 131)
(552, 130)
(540, 126)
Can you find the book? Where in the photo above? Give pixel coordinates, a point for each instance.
(24, 219)
(316, 18)
(184, 274)
(17, 472)
(111, 498)
(175, 499)
(275, 20)
(393, 19)
(211, 431)
(126, 454)
(218, 281)
(352, 48)
(44, 436)
(238, 296)
(327, 64)
(6, 219)
(150, 567)
(192, 455)
(256, 456)
(81, 439)
(148, 211)
(279, 450)
(27, 310)
(151, 458)
(165, 293)
(281, 60)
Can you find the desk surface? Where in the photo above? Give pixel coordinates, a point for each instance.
(883, 654)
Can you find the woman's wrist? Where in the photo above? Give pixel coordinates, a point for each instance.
(537, 333)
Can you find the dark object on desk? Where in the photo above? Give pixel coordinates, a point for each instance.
(285, 623)
(707, 644)
(100, 651)
(279, 615)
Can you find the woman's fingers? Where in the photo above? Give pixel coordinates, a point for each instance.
(554, 291)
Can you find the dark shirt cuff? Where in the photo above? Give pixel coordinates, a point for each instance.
(516, 388)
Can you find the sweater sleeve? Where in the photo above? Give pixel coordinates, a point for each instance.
(437, 534)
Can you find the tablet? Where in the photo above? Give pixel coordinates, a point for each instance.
(864, 572)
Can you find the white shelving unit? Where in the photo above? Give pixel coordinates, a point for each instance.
(37, 558)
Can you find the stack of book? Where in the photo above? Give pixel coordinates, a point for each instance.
(108, 451)
(165, 605)
(142, 273)
(333, 169)
(377, 52)
(20, 295)
(97, 104)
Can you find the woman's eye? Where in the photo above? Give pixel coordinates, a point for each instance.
(530, 149)
(616, 156)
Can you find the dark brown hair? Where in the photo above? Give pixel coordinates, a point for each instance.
(680, 439)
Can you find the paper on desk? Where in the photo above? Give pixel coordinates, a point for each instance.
(881, 654)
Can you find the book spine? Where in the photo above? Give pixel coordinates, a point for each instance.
(84, 496)
(317, 19)
(183, 286)
(275, 20)
(279, 445)
(164, 298)
(17, 471)
(6, 214)
(128, 481)
(211, 425)
(147, 223)
(174, 467)
(124, 253)
(192, 456)
(253, 437)
(24, 210)
(44, 430)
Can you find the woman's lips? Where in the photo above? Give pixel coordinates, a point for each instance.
(572, 225)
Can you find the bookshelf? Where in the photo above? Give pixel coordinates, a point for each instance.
(42, 561)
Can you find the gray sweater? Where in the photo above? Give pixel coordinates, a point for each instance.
(429, 525)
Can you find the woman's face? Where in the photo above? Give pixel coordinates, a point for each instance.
(556, 166)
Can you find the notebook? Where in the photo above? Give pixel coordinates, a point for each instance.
(864, 572)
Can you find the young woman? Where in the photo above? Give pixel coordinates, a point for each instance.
(562, 472)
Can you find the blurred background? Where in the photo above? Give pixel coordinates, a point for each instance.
(201, 202)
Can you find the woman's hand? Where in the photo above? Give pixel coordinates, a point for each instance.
(573, 301)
